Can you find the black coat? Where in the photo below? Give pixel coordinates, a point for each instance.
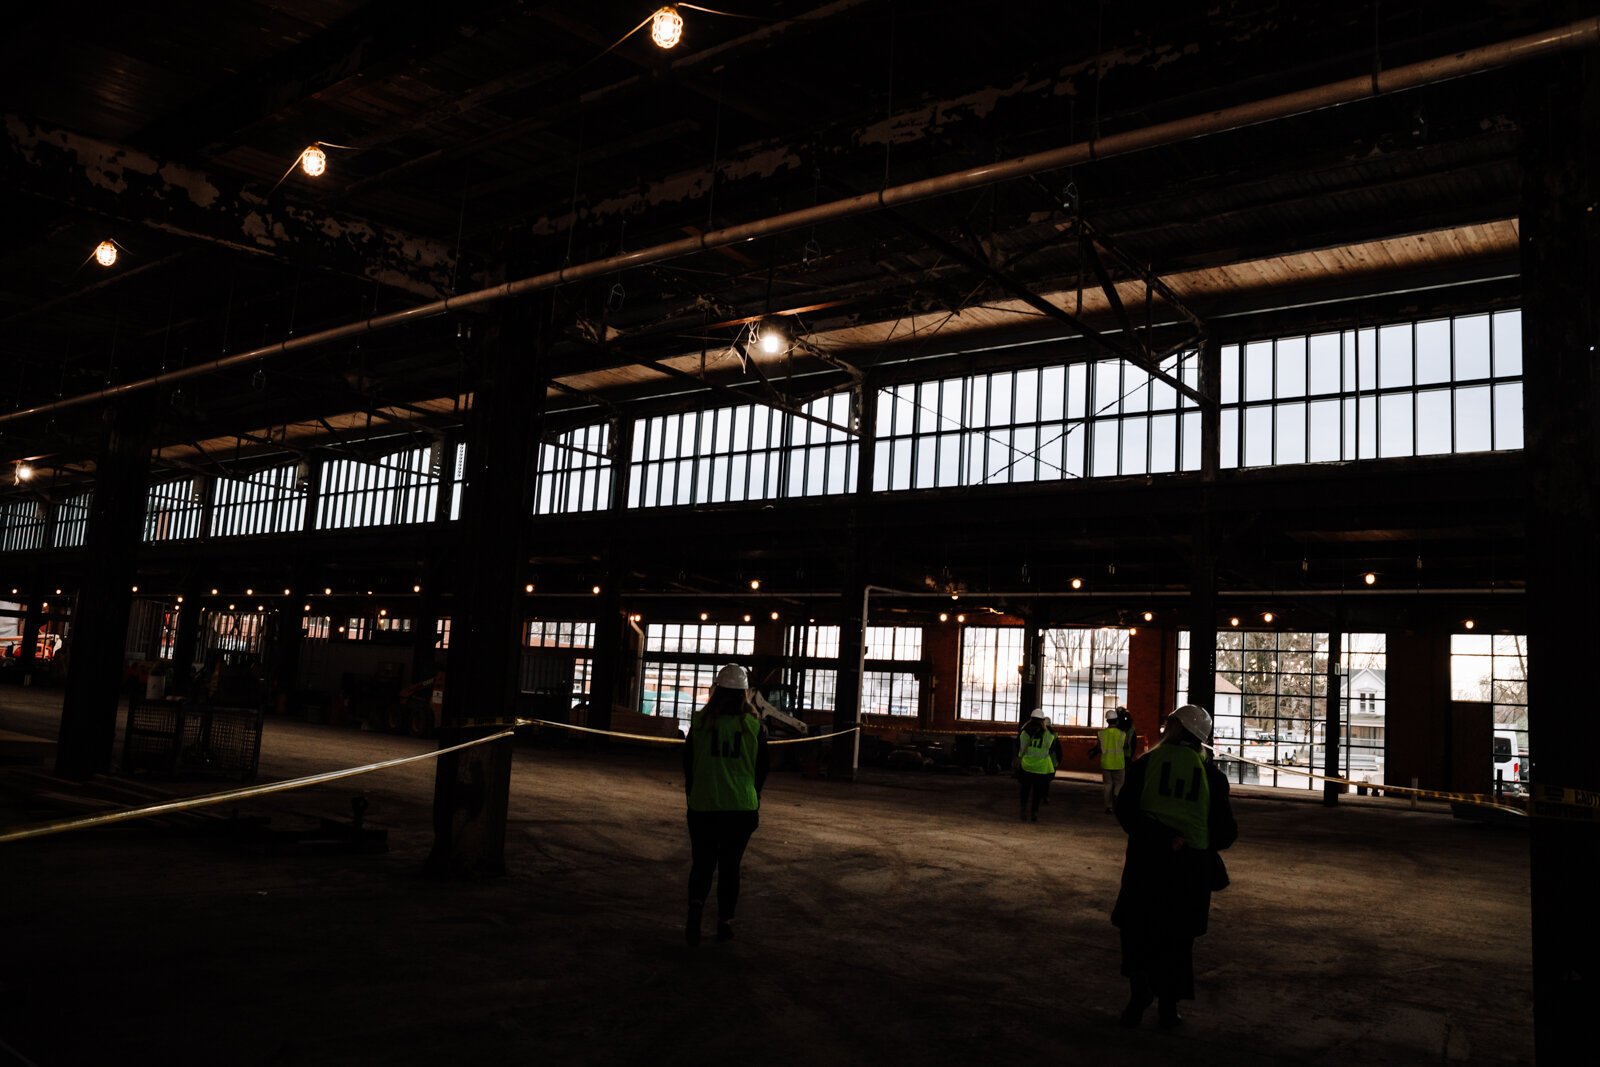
(1167, 890)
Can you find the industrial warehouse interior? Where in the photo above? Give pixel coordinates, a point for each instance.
(410, 413)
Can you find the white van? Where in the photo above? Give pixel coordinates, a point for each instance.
(1510, 762)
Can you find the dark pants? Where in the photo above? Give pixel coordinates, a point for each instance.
(1158, 965)
(1034, 787)
(717, 840)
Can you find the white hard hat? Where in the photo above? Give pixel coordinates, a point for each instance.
(1038, 713)
(733, 676)
(1195, 719)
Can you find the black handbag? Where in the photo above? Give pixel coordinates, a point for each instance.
(1216, 873)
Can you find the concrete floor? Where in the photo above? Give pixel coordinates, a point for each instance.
(908, 918)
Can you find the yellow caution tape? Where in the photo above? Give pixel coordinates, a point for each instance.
(211, 799)
(1482, 800)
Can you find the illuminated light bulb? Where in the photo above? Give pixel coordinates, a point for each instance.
(961, 618)
(341, 629)
(416, 589)
(213, 591)
(369, 592)
(180, 599)
(1149, 616)
(955, 596)
(1369, 578)
(286, 592)
(755, 583)
(327, 591)
(24, 473)
(943, 617)
(45, 606)
(305, 607)
(704, 616)
(666, 27)
(1469, 624)
(747, 618)
(528, 588)
(774, 616)
(1133, 631)
(135, 589)
(249, 592)
(230, 607)
(771, 341)
(595, 590)
(105, 254)
(1077, 583)
(1267, 616)
(314, 161)
(260, 608)
(1234, 621)
(58, 592)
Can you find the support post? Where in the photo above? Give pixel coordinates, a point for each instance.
(100, 617)
(1331, 733)
(1560, 233)
(471, 789)
(1203, 553)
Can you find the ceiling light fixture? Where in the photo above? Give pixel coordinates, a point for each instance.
(1133, 631)
(314, 161)
(774, 616)
(1267, 616)
(704, 616)
(416, 588)
(1369, 578)
(1469, 624)
(755, 583)
(1077, 583)
(943, 617)
(747, 618)
(961, 618)
(1149, 616)
(1233, 621)
(666, 27)
(105, 253)
(24, 473)
(595, 590)
(772, 341)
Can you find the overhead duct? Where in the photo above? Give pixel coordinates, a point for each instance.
(1570, 37)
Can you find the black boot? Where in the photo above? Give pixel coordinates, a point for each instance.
(1167, 1015)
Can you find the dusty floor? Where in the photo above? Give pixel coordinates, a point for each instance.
(907, 918)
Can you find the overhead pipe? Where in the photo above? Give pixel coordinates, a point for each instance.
(1572, 36)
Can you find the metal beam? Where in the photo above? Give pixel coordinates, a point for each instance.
(123, 183)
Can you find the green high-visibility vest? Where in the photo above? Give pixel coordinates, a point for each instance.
(1036, 752)
(1176, 793)
(724, 762)
(1114, 745)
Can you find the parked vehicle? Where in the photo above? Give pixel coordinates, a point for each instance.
(1510, 763)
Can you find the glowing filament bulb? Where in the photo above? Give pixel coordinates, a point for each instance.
(105, 254)
(24, 473)
(666, 27)
(771, 342)
(1369, 578)
(1149, 616)
(1077, 583)
(1267, 616)
(314, 161)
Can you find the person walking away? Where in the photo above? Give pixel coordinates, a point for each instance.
(1115, 747)
(1039, 755)
(1174, 807)
(724, 768)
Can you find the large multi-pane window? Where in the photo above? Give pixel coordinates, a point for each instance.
(1441, 386)
(1493, 669)
(813, 668)
(21, 525)
(1270, 706)
(549, 659)
(681, 661)
(402, 487)
(268, 501)
(750, 452)
(574, 472)
(1084, 674)
(173, 509)
(991, 676)
(72, 519)
(1041, 424)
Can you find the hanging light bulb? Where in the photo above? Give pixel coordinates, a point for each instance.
(771, 341)
(961, 618)
(774, 616)
(1133, 631)
(24, 473)
(1469, 624)
(943, 617)
(416, 588)
(1077, 583)
(528, 588)
(1149, 616)
(747, 618)
(1234, 621)
(1267, 616)
(314, 161)
(326, 591)
(105, 253)
(755, 583)
(1369, 578)
(595, 590)
(704, 616)
(213, 591)
(666, 27)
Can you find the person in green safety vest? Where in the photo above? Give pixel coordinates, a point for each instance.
(1116, 746)
(1174, 807)
(724, 768)
(1038, 756)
